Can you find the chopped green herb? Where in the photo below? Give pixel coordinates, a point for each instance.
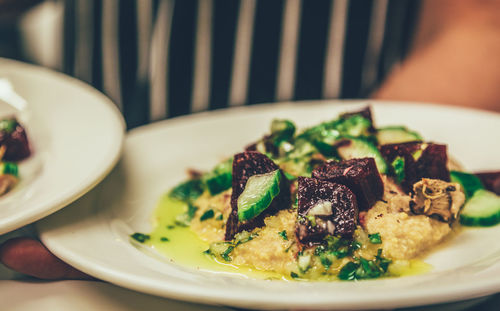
(220, 178)
(398, 167)
(8, 125)
(164, 239)
(339, 247)
(283, 235)
(362, 268)
(294, 275)
(184, 219)
(188, 191)
(295, 204)
(375, 238)
(9, 168)
(289, 247)
(382, 262)
(348, 271)
(243, 237)
(207, 215)
(140, 237)
(219, 217)
(228, 251)
(326, 262)
(319, 250)
(170, 227)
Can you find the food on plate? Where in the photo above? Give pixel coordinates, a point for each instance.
(339, 200)
(14, 147)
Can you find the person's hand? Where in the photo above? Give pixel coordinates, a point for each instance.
(30, 257)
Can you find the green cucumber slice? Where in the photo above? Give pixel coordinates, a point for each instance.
(360, 148)
(258, 194)
(220, 178)
(354, 125)
(482, 209)
(396, 135)
(282, 130)
(470, 183)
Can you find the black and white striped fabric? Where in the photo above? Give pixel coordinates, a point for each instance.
(164, 58)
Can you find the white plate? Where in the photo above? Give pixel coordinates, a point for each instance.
(76, 134)
(92, 234)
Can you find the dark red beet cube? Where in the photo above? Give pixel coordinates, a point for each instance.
(245, 165)
(422, 160)
(13, 137)
(324, 208)
(490, 180)
(360, 175)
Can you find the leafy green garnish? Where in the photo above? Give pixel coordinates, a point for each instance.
(283, 235)
(228, 251)
(8, 125)
(375, 238)
(325, 261)
(362, 268)
(220, 178)
(398, 167)
(9, 168)
(219, 217)
(207, 215)
(294, 275)
(184, 219)
(223, 249)
(341, 247)
(243, 237)
(164, 239)
(140, 237)
(188, 191)
(281, 130)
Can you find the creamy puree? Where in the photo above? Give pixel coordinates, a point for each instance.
(404, 237)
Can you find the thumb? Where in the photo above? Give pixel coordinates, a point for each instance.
(29, 256)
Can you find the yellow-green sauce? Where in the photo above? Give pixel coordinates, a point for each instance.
(185, 248)
(182, 246)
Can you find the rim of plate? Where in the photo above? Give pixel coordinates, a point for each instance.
(116, 124)
(426, 295)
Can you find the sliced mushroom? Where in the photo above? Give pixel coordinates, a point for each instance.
(438, 199)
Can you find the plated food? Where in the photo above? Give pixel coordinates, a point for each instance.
(68, 157)
(154, 160)
(14, 147)
(340, 200)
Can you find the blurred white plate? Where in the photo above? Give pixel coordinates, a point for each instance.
(75, 131)
(92, 234)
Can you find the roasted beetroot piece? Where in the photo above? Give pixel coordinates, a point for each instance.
(359, 175)
(14, 139)
(324, 208)
(245, 165)
(421, 160)
(365, 113)
(490, 180)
